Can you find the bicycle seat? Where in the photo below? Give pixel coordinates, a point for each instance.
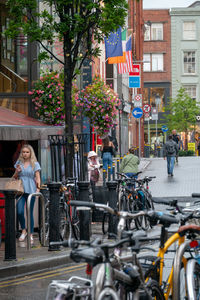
(192, 228)
(92, 256)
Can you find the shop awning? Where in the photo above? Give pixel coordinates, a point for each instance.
(15, 126)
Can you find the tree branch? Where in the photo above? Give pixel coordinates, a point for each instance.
(60, 61)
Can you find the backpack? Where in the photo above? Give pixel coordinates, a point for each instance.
(170, 149)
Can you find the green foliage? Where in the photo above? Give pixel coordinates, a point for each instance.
(47, 97)
(186, 153)
(183, 111)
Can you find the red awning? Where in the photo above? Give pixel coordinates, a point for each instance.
(10, 117)
(16, 126)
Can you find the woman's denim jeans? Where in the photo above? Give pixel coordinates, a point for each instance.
(20, 211)
(170, 164)
(107, 161)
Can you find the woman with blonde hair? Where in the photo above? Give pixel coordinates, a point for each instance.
(27, 169)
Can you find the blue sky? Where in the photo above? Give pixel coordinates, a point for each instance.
(166, 3)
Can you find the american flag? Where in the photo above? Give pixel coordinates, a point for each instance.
(128, 65)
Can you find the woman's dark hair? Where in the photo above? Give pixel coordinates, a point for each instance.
(132, 150)
(106, 141)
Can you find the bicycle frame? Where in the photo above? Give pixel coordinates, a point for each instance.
(161, 253)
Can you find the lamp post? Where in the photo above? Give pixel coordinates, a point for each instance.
(121, 108)
(157, 101)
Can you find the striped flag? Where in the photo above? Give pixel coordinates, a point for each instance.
(128, 65)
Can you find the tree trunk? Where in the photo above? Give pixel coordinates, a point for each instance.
(186, 140)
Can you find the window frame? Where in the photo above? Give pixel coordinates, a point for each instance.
(187, 63)
(185, 37)
(152, 58)
(150, 35)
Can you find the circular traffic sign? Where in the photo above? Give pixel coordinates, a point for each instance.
(147, 115)
(164, 128)
(137, 98)
(137, 112)
(146, 108)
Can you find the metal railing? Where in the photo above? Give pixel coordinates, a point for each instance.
(41, 198)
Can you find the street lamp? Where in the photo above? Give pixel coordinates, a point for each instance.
(120, 108)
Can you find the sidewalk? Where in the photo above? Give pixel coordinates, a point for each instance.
(38, 257)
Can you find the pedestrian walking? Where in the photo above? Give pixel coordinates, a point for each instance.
(93, 172)
(176, 138)
(129, 164)
(27, 169)
(93, 167)
(108, 151)
(170, 151)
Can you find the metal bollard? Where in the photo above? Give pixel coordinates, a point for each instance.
(104, 177)
(10, 234)
(109, 173)
(84, 215)
(54, 214)
(113, 170)
(112, 187)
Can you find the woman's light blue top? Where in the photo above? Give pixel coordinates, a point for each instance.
(27, 175)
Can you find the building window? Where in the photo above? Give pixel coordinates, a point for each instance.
(150, 97)
(189, 30)
(153, 32)
(190, 90)
(153, 62)
(189, 62)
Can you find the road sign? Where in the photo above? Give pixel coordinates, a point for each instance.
(138, 97)
(146, 108)
(137, 112)
(137, 104)
(134, 81)
(136, 70)
(164, 128)
(146, 115)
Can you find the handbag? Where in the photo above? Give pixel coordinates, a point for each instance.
(94, 176)
(15, 184)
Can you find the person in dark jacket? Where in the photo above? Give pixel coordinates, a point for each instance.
(176, 138)
(170, 151)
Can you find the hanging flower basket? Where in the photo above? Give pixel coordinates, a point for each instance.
(99, 103)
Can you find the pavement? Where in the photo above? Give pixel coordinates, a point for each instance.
(185, 181)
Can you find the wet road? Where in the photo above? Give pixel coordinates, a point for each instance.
(34, 287)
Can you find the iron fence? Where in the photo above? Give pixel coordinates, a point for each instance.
(68, 156)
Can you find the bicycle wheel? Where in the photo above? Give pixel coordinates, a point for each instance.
(105, 222)
(193, 279)
(154, 290)
(65, 229)
(75, 227)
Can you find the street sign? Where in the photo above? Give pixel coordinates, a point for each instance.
(138, 97)
(164, 128)
(146, 115)
(154, 117)
(136, 70)
(137, 104)
(134, 81)
(137, 112)
(146, 108)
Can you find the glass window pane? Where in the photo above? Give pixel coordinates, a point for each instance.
(146, 65)
(189, 30)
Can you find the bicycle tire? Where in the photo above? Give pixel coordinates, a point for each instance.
(65, 229)
(41, 231)
(179, 273)
(193, 279)
(105, 222)
(155, 290)
(125, 207)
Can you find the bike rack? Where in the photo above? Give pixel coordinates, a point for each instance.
(41, 197)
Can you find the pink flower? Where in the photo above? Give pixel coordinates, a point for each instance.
(50, 96)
